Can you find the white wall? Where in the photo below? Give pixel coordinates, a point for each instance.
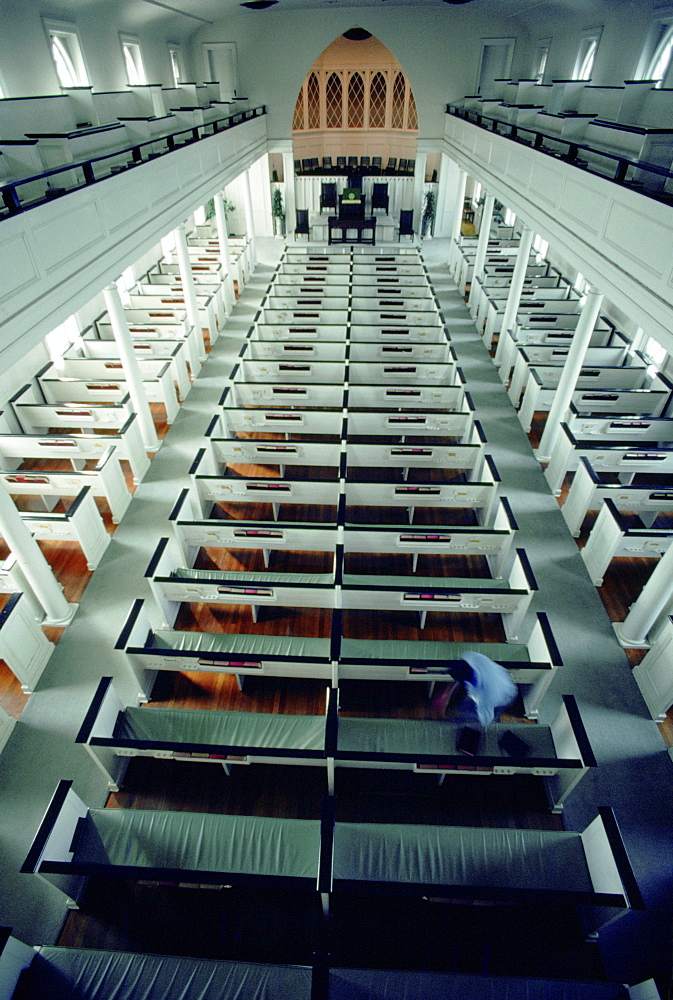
(27, 68)
(437, 47)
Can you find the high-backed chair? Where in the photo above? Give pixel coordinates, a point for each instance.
(306, 165)
(376, 164)
(314, 164)
(297, 166)
(327, 162)
(411, 166)
(302, 227)
(406, 224)
(402, 168)
(365, 162)
(341, 162)
(328, 195)
(392, 165)
(380, 197)
(353, 162)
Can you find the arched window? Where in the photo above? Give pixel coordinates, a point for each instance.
(65, 68)
(313, 101)
(412, 121)
(661, 61)
(397, 120)
(356, 101)
(333, 109)
(298, 120)
(377, 101)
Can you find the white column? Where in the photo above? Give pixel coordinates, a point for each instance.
(484, 232)
(655, 598)
(514, 294)
(225, 258)
(573, 364)
(458, 217)
(188, 285)
(290, 196)
(419, 189)
(33, 565)
(249, 220)
(134, 379)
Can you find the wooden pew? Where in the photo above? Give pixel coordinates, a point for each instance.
(114, 732)
(591, 436)
(154, 300)
(331, 658)
(117, 423)
(72, 383)
(614, 535)
(545, 355)
(23, 645)
(650, 397)
(146, 326)
(105, 480)
(556, 330)
(589, 491)
(171, 351)
(541, 381)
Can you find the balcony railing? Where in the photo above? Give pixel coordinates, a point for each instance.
(637, 175)
(28, 192)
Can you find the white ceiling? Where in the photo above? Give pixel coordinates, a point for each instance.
(183, 12)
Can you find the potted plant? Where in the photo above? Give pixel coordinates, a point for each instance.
(428, 220)
(278, 213)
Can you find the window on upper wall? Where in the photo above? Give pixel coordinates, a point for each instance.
(175, 56)
(661, 63)
(654, 351)
(586, 54)
(541, 56)
(66, 52)
(133, 60)
(540, 246)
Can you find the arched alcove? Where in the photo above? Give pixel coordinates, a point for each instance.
(355, 101)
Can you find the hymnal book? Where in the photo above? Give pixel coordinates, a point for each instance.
(468, 741)
(513, 744)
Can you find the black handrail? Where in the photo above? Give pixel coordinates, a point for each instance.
(140, 152)
(622, 166)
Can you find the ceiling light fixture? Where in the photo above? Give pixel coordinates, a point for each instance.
(259, 4)
(457, 1)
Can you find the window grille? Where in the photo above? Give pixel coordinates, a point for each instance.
(313, 96)
(399, 88)
(356, 102)
(377, 101)
(333, 101)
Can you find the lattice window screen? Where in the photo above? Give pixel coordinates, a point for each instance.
(377, 101)
(313, 100)
(412, 122)
(333, 101)
(298, 120)
(356, 101)
(398, 102)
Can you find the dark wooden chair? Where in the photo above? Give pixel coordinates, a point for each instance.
(376, 165)
(341, 162)
(380, 197)
(328, 195)
(302, 227)
(327, 162)
(353, 162)
(365, 162)
(392, 165)
(411, 166)
(406, 224)
(402, 167)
